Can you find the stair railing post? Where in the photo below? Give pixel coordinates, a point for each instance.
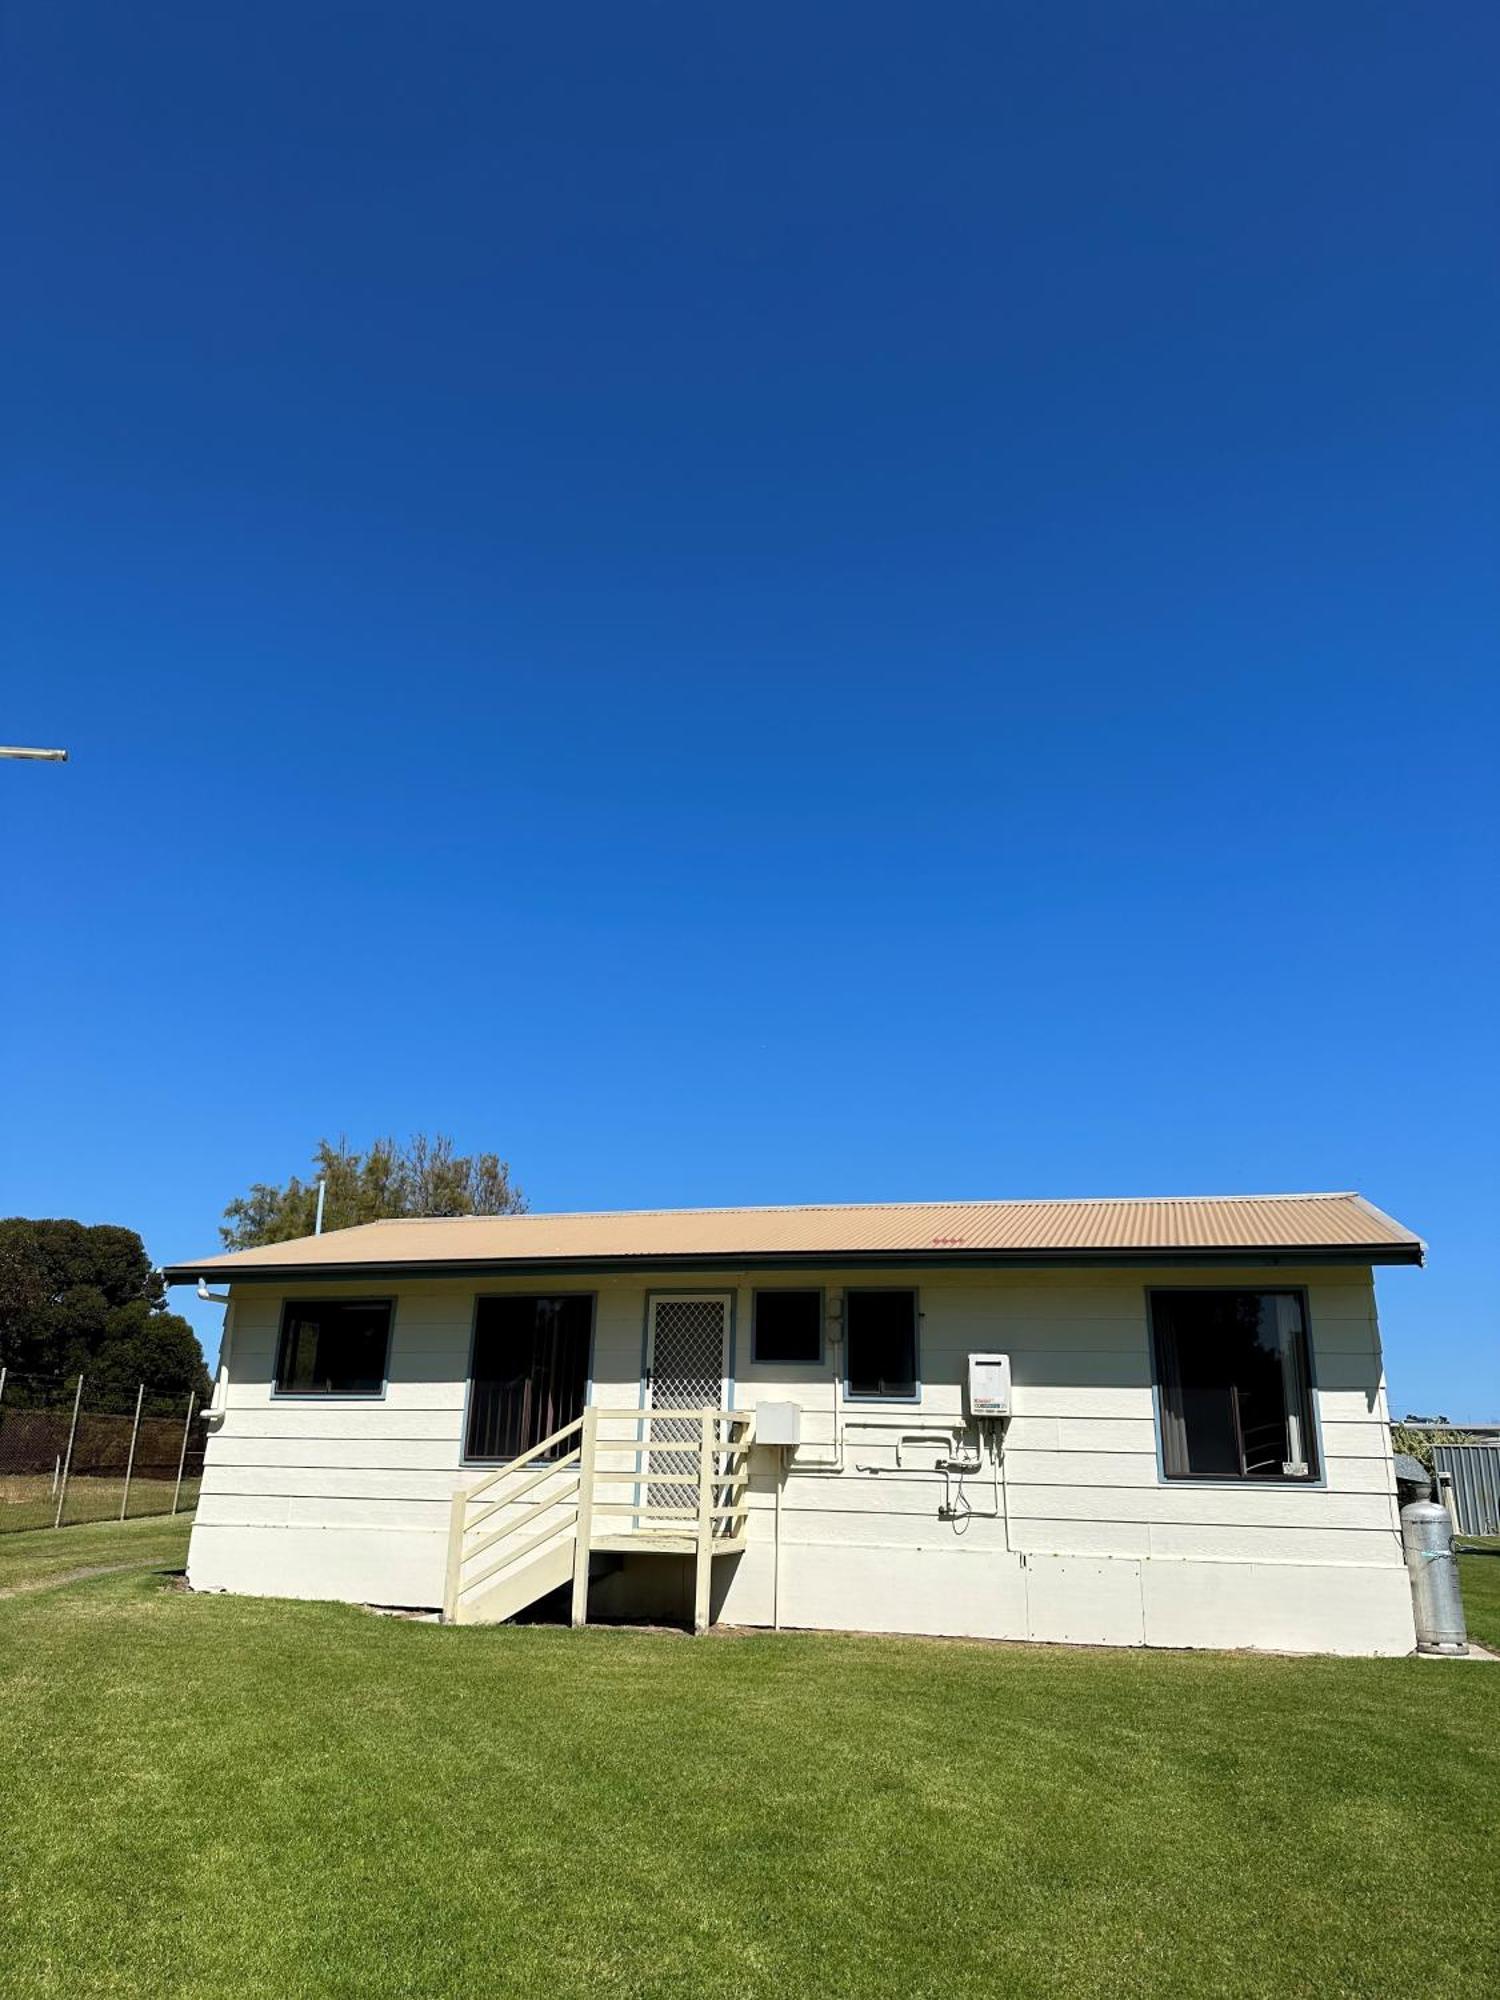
(703, 1562)
(458, 1515)
(135, 1431)
(62, 1491)
(584, 1527)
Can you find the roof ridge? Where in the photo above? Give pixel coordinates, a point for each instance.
(838, 1207)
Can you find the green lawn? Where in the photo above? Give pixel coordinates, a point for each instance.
(27, 1559)
(1480, 1570)
(232, 1798)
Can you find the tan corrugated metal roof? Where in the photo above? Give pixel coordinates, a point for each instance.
(927, 1231)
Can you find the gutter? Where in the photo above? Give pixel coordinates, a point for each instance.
(803, 1260)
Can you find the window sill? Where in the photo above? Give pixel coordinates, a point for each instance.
(500, 1464)
(328, 1395)
(1280, 1483)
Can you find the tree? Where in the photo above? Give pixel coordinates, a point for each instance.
(79, 1298)
(425, 1177)
(157, 1348)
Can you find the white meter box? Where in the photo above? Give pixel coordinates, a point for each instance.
(778, 1424)
(989, 1385)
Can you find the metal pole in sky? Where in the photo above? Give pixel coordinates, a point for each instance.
(33, 756)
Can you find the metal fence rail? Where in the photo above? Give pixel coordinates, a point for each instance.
(70, 1452)
(1469, 1478)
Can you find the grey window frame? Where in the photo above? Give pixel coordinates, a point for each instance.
(332, 1395)
(1317, 1477)
(821, 1294)
(853, 1395)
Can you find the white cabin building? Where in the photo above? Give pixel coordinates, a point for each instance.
(1133, 1422)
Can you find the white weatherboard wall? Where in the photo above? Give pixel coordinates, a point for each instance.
(349, 1499)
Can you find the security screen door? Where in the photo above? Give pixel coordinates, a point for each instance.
(687, 1352)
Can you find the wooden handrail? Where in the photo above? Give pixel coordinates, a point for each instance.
(555, 1466)
(515, 1555)
(636, 1446)
(656, 1478)
(515, 1464)
(653, 1415)
(548, 1471)
(531, 1513)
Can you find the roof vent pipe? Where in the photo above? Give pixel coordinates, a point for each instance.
(318, 1219)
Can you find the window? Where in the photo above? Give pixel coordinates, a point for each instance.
(530, 1371)
(1232, 1372)
(880, 1334)
(788, 1327)
(333, 1347)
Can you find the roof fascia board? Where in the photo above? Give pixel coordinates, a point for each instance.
(805, 1260)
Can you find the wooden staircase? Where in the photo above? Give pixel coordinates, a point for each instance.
(603, 1482)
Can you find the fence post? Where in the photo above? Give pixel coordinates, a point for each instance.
(62, 1491)
(135, 1431)
(182, 1455)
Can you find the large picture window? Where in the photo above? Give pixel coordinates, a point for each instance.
(530, 1371)
(880, 1336)
(333, 1347)
(1232, 1374)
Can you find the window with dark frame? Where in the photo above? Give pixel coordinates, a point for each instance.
(333, 1347)
(880, 1342)
(1233, 1379)
(530, 1371)
(787, 1327)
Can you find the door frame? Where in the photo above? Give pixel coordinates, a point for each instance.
(648, 1334)
(730, 1295)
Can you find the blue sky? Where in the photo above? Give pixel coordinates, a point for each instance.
(812, 603)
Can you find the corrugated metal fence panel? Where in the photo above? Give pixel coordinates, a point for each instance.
(1475, 1472)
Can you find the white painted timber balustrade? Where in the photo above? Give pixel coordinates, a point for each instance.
(609, 1482)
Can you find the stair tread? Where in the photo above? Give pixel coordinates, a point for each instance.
(661, 1545)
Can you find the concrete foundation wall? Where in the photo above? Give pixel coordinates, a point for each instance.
(1072, 1600)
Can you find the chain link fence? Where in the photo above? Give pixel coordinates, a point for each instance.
(71, 1452)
